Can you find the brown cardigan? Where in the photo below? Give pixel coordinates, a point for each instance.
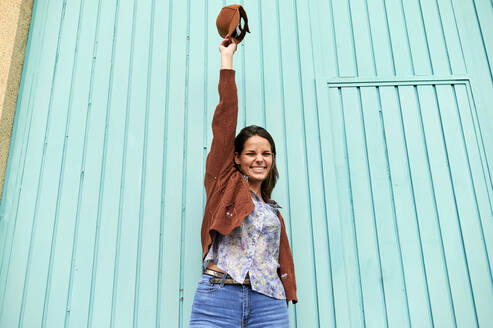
(228, 196)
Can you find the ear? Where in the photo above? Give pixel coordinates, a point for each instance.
(237, 158)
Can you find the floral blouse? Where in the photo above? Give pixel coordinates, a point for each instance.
(252, 248)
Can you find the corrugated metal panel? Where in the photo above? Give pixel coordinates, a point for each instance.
(413, 203)
(380, 114)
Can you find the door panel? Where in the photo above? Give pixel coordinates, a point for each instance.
(413, 199)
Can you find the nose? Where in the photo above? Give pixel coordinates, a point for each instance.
(259, 158)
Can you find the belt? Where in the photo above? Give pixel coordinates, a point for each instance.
(217, 276)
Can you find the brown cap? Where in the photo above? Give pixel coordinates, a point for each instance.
(228, 22)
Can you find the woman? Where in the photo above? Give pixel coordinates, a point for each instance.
(248, 275)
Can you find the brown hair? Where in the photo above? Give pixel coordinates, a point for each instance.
(253, 130)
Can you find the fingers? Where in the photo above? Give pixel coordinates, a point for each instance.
(228, 45)
(227, 41)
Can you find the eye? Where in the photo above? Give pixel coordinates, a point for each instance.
(267, 154)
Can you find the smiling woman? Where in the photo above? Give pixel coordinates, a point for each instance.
(248, 276)
(255, 152)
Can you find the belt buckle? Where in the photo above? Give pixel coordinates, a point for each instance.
(213, 280)
(217, 280)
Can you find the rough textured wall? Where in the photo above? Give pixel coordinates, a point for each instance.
(15, 17)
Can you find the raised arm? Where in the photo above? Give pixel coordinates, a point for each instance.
(225, 116)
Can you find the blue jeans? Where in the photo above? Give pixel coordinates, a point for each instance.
(235, 306)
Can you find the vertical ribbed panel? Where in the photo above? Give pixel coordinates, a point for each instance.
(413, 205)
(380, 110)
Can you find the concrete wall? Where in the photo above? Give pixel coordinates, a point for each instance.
(15, 18)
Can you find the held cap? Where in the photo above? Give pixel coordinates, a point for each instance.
(229, 22)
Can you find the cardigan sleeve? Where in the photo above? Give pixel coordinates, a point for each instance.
(221, 154)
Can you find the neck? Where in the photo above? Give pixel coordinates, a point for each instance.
(256, 188)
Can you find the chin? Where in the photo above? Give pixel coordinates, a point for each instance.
(257, 178)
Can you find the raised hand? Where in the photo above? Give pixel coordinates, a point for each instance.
(227, 48)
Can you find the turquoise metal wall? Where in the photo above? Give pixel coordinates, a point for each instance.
(381, 110)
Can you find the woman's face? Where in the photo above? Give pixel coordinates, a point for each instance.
(256, 158)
